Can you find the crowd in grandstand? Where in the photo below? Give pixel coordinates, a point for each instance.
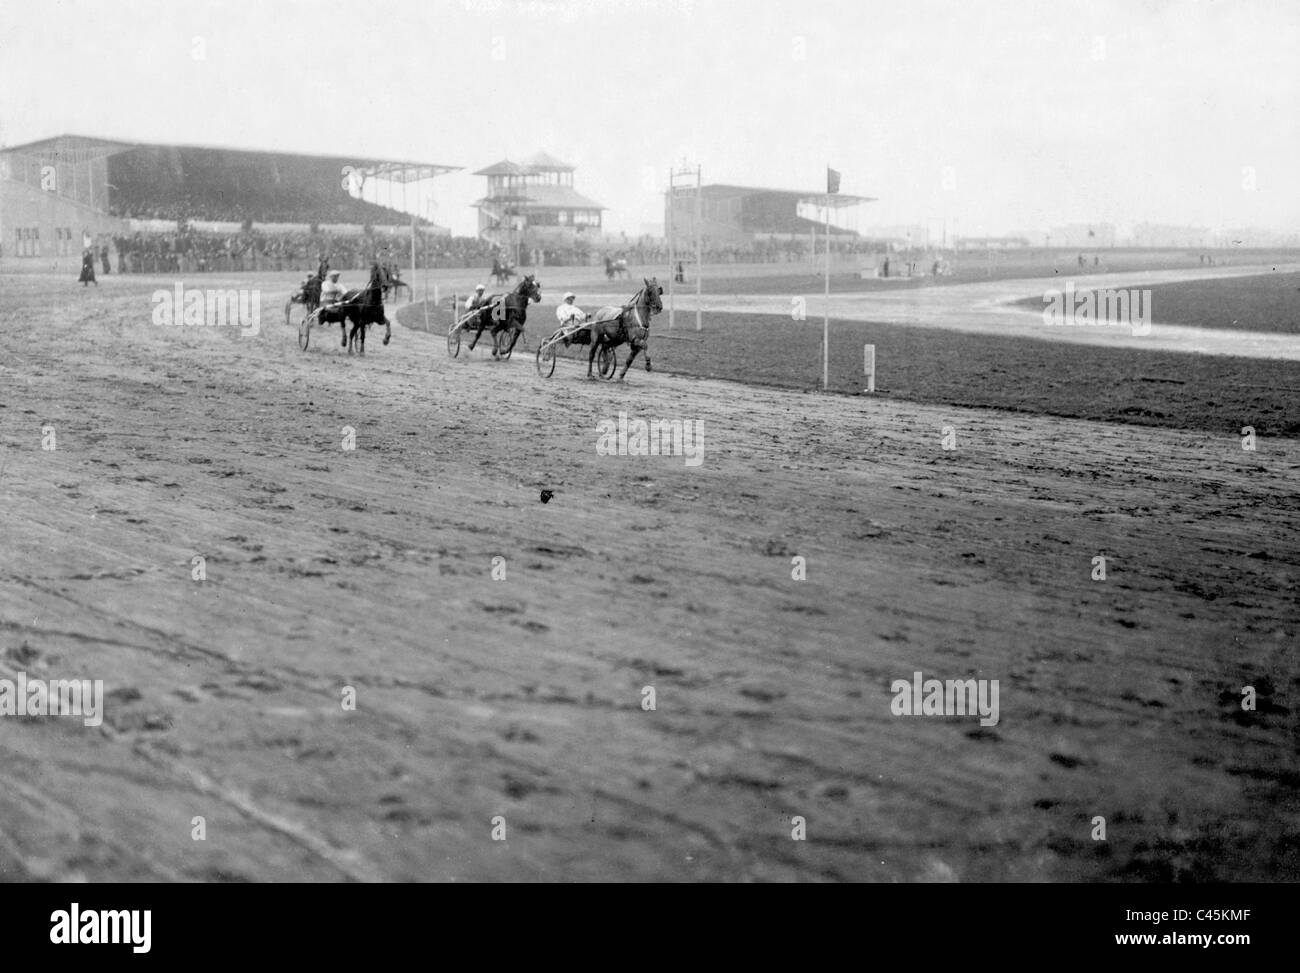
(195, 251)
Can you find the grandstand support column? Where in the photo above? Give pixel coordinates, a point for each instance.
(411, 290)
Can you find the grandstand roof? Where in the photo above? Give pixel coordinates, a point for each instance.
(723, 189)
(84, 146)
(79, 147)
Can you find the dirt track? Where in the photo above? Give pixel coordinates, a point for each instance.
(522, 698)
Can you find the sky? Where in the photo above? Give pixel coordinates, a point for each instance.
(993, 116)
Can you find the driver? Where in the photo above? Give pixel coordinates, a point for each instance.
(568, 312)
(331, 291)
(475, 300)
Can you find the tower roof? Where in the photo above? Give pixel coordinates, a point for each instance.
(545, 162)
(504, 168)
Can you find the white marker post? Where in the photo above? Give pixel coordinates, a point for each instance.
(869, 366)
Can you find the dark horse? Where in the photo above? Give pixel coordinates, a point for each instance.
(361, 307)
(629, 324)
(393, 282)
(505, 313)
(308, 295)
(501, 271)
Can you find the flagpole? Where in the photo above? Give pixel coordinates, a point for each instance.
(826, 307)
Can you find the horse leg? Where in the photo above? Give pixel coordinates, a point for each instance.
(628, 364)
(388, 330)
(591, 355)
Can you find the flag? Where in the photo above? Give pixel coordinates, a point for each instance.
(832, 181)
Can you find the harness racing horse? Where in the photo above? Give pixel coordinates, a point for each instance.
(362, 308)
(501, 271)
(393, 283)
(503, 313)
(629, 324)
(308, 295)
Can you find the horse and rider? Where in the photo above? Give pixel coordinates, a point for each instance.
(361, 308)
(501, 270)
(393, 282)
(307, 294)
(501, 312)
(629, 324)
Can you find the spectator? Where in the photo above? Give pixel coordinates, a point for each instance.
(88, 268)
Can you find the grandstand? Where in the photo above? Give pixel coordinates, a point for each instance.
(61, 194)
(742, 216)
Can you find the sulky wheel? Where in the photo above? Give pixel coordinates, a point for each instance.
(504, 342)
(453, 341)
(304, 332)
(607, 362)
(546, 359)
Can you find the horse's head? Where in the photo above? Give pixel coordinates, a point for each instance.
(653, 294)
(529, 287)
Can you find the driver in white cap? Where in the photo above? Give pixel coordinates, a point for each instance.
(568, 312)
(475, 300)
(331, 291)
